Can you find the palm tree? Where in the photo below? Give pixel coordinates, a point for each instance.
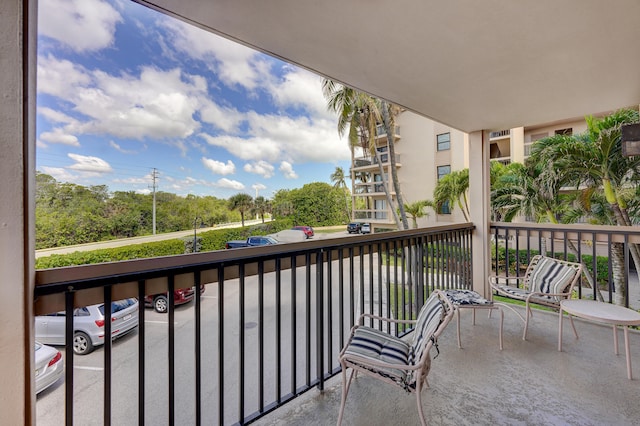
(416, 210)
(242, 202)
(453, 188)
(339, 182)
(361, 113)
(261, 206)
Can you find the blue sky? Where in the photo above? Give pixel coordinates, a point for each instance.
(123, 90)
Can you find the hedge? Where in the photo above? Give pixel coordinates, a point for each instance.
(210, 241)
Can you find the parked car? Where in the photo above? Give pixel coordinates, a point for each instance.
(354, 227)
(365, 228)
(160, 302)
(250, 242)
(308, 231)
(88, 325)
(49, 366)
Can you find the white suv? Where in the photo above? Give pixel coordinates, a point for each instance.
(88, 325)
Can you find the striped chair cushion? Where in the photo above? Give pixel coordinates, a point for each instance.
(375, 345)
(428, 321)
(549, 276)
(466, 298)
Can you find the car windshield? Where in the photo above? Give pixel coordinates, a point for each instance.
(119, 305)
(271, 240)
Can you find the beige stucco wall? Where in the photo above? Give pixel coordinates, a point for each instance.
(17, 121)
(420, 159)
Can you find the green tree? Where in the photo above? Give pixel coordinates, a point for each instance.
(261, 206)
(416, 210)
(361, 114)
(453, 188)
(241, 202)
(339, 182)
(594, 162)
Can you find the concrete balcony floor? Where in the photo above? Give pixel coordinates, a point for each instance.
(528, 383)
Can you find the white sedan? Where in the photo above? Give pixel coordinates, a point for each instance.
(49, 366)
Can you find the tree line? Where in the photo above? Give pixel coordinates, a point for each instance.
(69, 214)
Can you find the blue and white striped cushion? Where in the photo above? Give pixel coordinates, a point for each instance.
(549, 276)
(466, 298)
(428, 321)
(375, 345)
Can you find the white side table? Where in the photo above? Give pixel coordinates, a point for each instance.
(603, 313)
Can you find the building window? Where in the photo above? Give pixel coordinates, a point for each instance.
(444, 208)
(444, 141)
(566, 132)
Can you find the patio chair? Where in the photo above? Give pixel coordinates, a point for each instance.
(404, 363)
(546, 282)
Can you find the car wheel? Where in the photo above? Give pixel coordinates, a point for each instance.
(82, 343)
(161, 304)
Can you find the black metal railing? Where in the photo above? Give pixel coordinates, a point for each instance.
(604, 250)
(268, 328)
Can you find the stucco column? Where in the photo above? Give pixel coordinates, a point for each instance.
(480, 204)
(17, 174)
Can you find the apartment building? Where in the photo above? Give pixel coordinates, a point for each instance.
(425, 152)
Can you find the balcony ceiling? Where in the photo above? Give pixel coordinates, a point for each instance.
(470, 64)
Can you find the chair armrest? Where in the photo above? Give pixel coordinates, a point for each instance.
(373, 363)
(494, 279)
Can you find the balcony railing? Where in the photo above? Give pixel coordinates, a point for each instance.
(373, 161)
(595, 246)
(500, 134)
(267, 329)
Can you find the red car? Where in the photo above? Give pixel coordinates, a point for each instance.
(308, 231)
(160, 302)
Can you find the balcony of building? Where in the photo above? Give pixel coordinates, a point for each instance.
(369, 189)
(500, 134)
(370, 163)
(269, 326)
(382, 134)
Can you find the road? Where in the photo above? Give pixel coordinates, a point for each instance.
(137, 240)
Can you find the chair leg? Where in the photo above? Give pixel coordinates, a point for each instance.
(419, 402)
(573, 326)
(345, 390)
(526, 321)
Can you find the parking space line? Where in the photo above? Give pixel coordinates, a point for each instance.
(78, 367)
(208, 297)
(157, 322)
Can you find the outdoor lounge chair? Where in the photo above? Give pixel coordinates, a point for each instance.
(404, 363)
(546, 282)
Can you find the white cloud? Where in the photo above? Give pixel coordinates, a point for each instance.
(88, 164)
(156, 104)
(218, 167)
(295, 139)
(118, 148)
(55, 116)
(258, 186)
(287, 170)
(261, 168)
(229, 184)
(224, 118)
(232, 62)
(59, 136)
(301, 89)
(60, 174)
(83, 25)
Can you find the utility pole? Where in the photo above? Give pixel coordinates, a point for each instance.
(154, 177)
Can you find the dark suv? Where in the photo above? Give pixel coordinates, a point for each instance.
(354, 228)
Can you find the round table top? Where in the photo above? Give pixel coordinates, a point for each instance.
(601, 311)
